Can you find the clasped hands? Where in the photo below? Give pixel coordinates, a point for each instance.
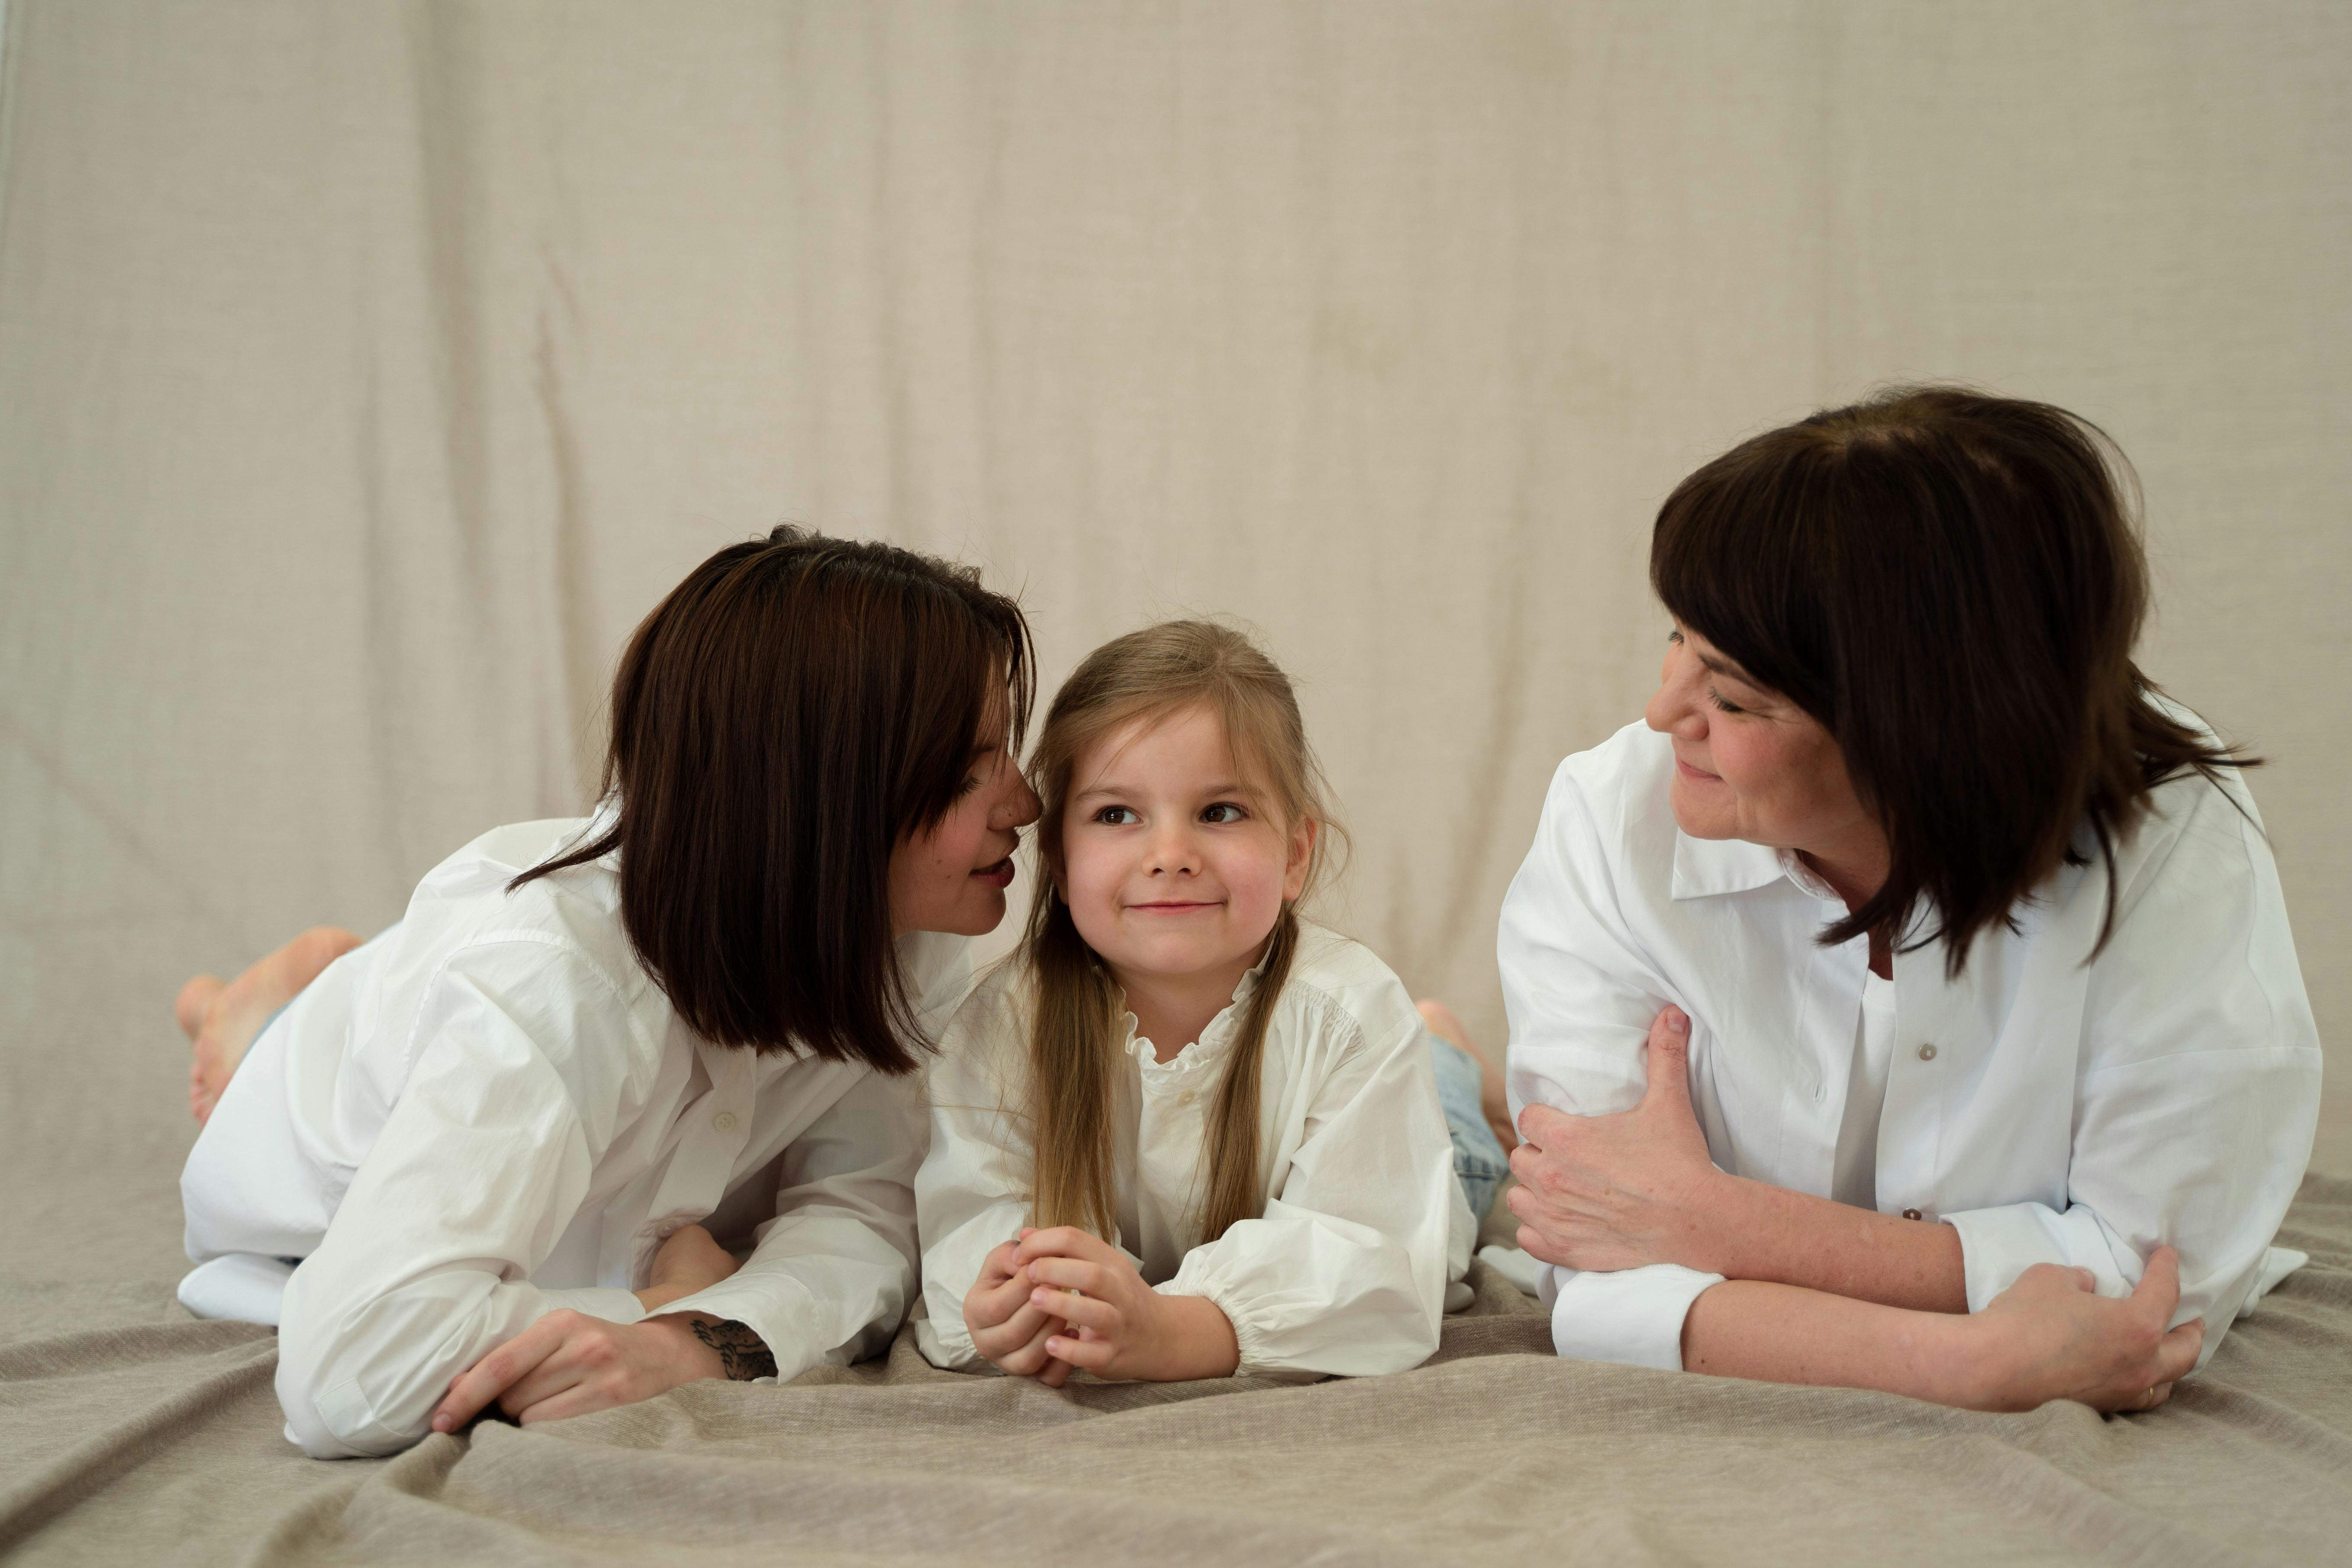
(1059, 1299)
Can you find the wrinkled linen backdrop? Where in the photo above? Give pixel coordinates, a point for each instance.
(366, 371)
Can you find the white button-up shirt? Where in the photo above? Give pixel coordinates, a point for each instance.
(1346, 1270)
(2048, 1109)
(492, 1110)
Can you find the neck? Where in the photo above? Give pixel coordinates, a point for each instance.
(1856, 867)
(1171, 1010)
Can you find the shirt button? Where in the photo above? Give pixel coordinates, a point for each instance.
(1927, 1052)
(1187, 1098)
(724, 1121)
(1911, 1213)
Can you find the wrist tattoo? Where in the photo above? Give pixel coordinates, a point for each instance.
(743, 1353)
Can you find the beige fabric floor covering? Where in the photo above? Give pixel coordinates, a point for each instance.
(130, 1433)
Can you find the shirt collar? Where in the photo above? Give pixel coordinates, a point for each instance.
(1705, 868)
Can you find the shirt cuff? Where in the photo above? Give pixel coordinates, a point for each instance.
(776, 1307)
(1632, 1316)
(1996, 1245)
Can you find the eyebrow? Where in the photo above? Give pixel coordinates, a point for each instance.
(1228, 787)
(1730, 670)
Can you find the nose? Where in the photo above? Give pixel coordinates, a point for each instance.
(1174, 851)
(1017, 807)
(1674, 708)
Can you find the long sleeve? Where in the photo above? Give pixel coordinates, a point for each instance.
(972, 1192)
(1581, 993)
(1345, 1272)
(2199, 1083)
(528, 1063)
(831, 1274)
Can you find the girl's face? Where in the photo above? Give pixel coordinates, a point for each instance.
(953, 878)
(1749, 762)
(1170, 865)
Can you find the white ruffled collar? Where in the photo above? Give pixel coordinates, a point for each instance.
(1214, 1041)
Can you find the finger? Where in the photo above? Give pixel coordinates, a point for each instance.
(2156, 1396)
(1087, 1355)
(495, 1374)
(1058, 1372)
(2158, 1290)
(2177, 1352)
(1531, 1242)
(1669, 1064)
(1061, 1241)
(544, 1381)
(998, 1266)
(579, 1399)
(1069, 1274)
(1018, 1327)
(1537, 1121)
(1029, 1359)
(1082, 1311)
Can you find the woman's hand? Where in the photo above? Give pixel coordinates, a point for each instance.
(1620, 1191)
(1122, 1327)
(2050, 1337)
(569, 1364)
(1004, 1327)
(689, 1260)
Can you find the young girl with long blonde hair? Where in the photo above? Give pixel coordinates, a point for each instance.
(1182, 1132)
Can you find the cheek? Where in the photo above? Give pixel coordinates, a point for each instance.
(1254, 881)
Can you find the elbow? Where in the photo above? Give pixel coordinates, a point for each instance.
(333, 1394)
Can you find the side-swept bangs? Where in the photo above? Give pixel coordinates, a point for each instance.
(790, 712)
(1952, 584)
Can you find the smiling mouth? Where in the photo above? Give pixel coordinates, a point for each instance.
(1701, 774)
(1000, 875)
(1170, 907)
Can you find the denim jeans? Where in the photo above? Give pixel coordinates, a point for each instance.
(1479, 1163)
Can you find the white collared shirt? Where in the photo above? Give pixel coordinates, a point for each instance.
(1345, 1272)
(492, 1111)
(2049, 1109)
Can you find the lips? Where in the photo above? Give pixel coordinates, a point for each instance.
(1698, 775)
(1173, 907)
(999, 876)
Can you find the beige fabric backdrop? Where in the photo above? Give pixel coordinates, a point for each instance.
(366, 371)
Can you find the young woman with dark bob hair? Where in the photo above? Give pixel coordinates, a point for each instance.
(1910, 1004)
(481, 1159)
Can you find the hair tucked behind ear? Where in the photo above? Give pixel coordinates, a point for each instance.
(1156, 672)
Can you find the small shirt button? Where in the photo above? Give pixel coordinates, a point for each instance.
(1927, 1052)
(724, 1121)
(1187, 1098)
(1911, 1213)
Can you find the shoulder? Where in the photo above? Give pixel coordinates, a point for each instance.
(2193, 828)
(1612, 799)
(554, 946)
(1338, 986)
(987, 1035)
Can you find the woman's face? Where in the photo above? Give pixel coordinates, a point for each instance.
(1171, 865)
(953, 878)
(1749, 763)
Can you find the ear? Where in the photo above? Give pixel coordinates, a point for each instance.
(1302, 856)
(1049, 856)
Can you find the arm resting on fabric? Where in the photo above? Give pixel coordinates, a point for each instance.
(832, 1272)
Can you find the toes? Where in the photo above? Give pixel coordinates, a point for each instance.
(188, 1007)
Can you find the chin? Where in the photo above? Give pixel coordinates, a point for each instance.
(1696, 821)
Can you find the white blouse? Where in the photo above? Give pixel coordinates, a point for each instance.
(2049, 1109)
(1346, 1272)
(492, 1112)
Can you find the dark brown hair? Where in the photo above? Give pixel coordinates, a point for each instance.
(1156, 673)
(790, 711)
(1952, 584)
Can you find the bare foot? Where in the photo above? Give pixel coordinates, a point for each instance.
(1492, 1101)
(220, 1021)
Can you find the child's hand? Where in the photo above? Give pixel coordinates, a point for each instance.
(1119, 1327)
(1004, 1327)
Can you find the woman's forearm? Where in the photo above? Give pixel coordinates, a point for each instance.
(1780, 1333)
(1772, 1236)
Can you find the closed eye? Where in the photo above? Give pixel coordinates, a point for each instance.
(1714, 697)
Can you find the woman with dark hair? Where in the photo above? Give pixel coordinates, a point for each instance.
(1978, 1065)
(482, 1157)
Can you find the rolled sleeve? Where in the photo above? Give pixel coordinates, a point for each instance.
(1632, 1316)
